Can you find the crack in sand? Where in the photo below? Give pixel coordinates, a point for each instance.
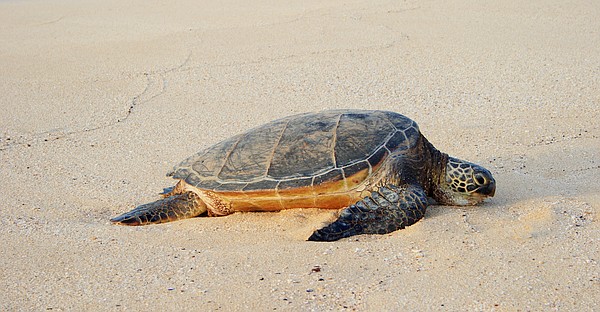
(54, 21)
(47, 136)
(147, 94)
(263, 60)
(136, 100)
(151, 84)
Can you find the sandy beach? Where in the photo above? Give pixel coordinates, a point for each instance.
(99, 99)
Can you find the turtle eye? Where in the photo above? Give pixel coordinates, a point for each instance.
(480, 178)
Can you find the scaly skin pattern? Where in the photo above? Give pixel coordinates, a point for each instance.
(388, 209)
(171, 208)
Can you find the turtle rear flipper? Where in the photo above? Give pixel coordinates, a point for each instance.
(171, 208)
(389, 209)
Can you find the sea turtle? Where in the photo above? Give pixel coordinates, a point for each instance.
(375, 164)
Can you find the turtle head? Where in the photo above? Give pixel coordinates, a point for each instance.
(464, 183)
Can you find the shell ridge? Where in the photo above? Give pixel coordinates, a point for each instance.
(275, 147)
(305, 147)
(391, 123)
(226, 158)
(334, 142)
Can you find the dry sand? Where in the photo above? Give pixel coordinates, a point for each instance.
(100, 98)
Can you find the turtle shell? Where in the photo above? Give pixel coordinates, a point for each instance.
(300, 157)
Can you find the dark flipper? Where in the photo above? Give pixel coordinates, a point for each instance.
(175, 207)
(388, 209)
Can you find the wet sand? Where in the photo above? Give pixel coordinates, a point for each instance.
(100, 99)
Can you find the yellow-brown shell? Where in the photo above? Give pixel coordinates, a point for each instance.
(317, 160)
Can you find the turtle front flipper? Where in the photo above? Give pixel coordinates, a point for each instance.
(388, 209)
(171, 208)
